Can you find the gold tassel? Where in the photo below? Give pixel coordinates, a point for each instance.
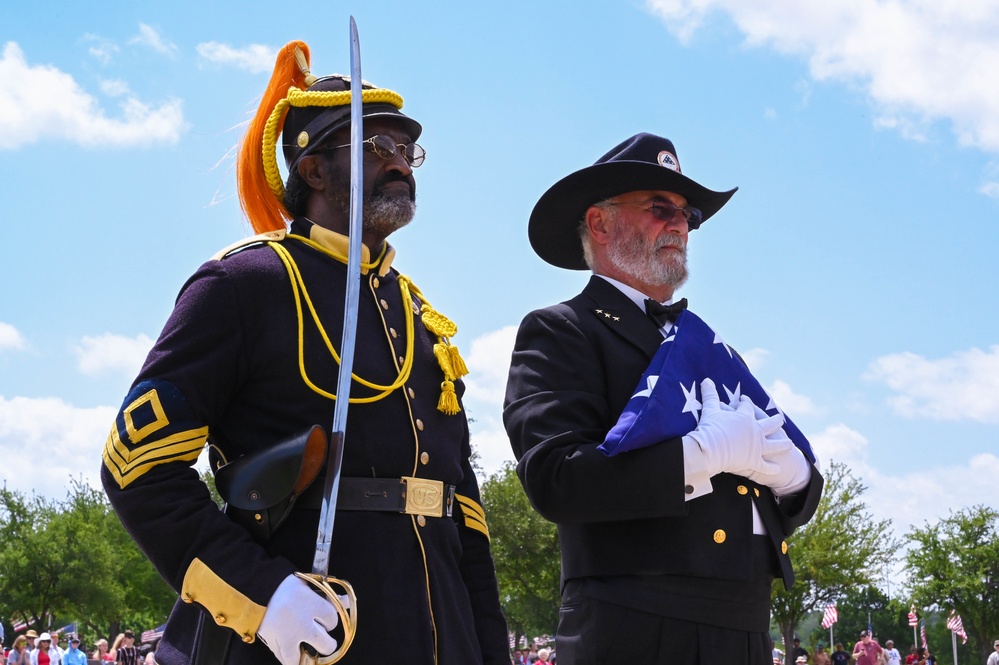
(444, 360)
(448, 402)
(457, 362)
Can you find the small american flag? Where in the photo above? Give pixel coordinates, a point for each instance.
(922, 633)
(830, 616)
(954, 623)
(913, 617)
(152, 634)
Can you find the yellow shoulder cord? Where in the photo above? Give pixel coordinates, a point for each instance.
(299, 290)
(447, 355)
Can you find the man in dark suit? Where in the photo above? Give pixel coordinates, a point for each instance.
(668, 552)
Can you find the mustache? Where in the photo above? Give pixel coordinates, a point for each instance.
(390, 177)
(671, 240)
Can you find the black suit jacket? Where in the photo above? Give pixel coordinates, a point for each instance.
(575, 366)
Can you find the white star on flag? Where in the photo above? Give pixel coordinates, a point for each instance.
(666, 405)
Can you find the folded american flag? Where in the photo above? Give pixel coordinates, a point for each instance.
(666, 404)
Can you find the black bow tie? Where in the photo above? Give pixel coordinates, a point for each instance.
(663, 314)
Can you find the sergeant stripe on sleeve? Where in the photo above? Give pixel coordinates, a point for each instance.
(146, 414)
(475, 517)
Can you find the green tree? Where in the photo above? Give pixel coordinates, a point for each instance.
(525, 548)
(954, 565)
(840, 548)
(72, 561)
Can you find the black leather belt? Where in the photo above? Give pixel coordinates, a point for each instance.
(406, 495)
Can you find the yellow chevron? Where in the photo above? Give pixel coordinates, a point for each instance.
(127, 464)
(475, 517)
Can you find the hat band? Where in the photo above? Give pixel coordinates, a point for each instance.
(303, 98)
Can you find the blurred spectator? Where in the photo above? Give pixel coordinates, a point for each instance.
(839, 656)
(994, 656)
(73, 655)
(44, 654)
(19, 652)
(101, 653)
(126, 653)
(894, 657)
(821, 657)
(32, 636)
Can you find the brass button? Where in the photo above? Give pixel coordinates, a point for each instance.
(756, 491)
(402, 361)
(258, 517)
(419, 424)
(188, 598)
(783, 547)
(384, 304)
(412, 394)
(688, 489)
(393, 333)
(247, 638)
(421, 520)
(375, 282)
(719, 536)
(742, 489)
(220, 619)
(424, 458)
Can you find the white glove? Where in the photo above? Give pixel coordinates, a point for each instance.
(734, 440)
(297, 614)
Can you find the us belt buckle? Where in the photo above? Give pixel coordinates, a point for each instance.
(425, 497)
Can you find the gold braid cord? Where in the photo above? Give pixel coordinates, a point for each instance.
(301, 99)
(450, 361)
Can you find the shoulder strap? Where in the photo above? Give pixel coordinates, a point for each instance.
(269, 236)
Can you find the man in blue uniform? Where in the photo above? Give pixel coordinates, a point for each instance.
(247, 363)
(669, 551)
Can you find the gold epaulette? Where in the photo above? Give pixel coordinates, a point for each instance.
(269, 236)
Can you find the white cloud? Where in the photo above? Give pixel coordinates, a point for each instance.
(911, 498)
(489, 363)
(102, 49)
(917, 60)
(255, 58)
(149, 36)
(114, 87)
(41, 102)
(990, 189)
(755, 358)
(45, 442)
(964, 386)
(10, 337)
(112, 353)
(790, 401)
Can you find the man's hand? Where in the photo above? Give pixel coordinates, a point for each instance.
(734, 440)
(296, 615)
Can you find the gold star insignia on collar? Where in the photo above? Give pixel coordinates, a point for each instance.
(607, 315)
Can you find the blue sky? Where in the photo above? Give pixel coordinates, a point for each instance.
(855, 267)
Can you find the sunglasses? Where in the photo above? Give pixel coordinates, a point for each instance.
(664, 211)
(386, 148)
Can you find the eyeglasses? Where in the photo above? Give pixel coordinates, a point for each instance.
(665, 211)
(386, 148)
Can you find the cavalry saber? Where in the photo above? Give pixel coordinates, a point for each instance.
(319, 578)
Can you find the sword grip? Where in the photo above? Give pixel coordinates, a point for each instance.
(331, 588)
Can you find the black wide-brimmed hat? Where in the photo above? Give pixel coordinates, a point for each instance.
(643, 162)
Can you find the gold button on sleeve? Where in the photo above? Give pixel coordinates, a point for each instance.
(247, 638)
(220, 619)
(719, 536)
(424, 458)
(783, 546)
(419, 424)
(742, 489)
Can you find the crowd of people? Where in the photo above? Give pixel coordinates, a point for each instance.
(866, 651)
(33, 648)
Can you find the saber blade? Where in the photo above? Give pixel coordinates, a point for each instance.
(321, 562)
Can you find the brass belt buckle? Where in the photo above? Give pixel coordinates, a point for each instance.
(424, 497)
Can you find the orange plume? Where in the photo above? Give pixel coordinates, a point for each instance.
(264, 210)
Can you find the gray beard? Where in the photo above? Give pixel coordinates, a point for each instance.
(383, 215)
(633, 255)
